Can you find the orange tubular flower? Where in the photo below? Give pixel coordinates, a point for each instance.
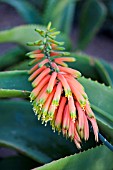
(55, 54)
(35, 74)
(72, 108)
(39, 56)
(68, 59)
(61, 60)
(40, 77)
(36, 90)
(51, 82)
(71, 71)
(66, 119)
(34, 52)
(65, 85)
(48, 103)
(57, 96)
(58, 119)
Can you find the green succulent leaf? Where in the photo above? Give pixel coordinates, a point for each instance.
(109, 69)
(61, 15)
(86, 65)
(99, 158)
(92, 17)
(5, 93)
(15, 80)
(24, 65)
(96, 69)
(26, 33)
(20, 129)
(17, 163)
(11, 57)
(103, 72)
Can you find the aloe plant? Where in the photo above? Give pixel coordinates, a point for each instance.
(20, 129)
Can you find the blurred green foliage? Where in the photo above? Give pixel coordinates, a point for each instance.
(89, 16)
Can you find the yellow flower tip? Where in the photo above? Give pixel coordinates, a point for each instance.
(78, 74)
(55, 102)
(82, 103)
(85, 96)
(33, 85)
(49, 90)
(29, 79)
(58, 127)
(72, 59)
(91, 115)
(63, 64)
(44, 111)
(73, 116)
(41, 101)
(51, 111)
(68, 93)
(32, 96)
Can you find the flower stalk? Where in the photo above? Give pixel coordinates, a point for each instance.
(57, 96)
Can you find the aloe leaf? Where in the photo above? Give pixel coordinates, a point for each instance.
(26, 33)
(61, 15)
(99, 158)
(11, 57)
(24, 65)
(96, 69)
(100, 96)
(92, 17)
(17, 163)
(21, 130)
(90, 68)
(103, 72)
(86, 65)
(6, 93)
(17, 80)
(109, 69)
(26, 10)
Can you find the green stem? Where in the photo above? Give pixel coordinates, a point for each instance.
(6, 93)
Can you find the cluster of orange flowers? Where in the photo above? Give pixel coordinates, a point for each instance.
(58, 97)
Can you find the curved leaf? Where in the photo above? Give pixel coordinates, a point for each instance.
(24, 65)
(109, 69)
(96, 69)
(99, 158)
(92, 17)
(11, 57)
(103, 72)
(20, 129)
(26, 33)
(61, 15)
(17, 163)
(17, 80)
(6, 93)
